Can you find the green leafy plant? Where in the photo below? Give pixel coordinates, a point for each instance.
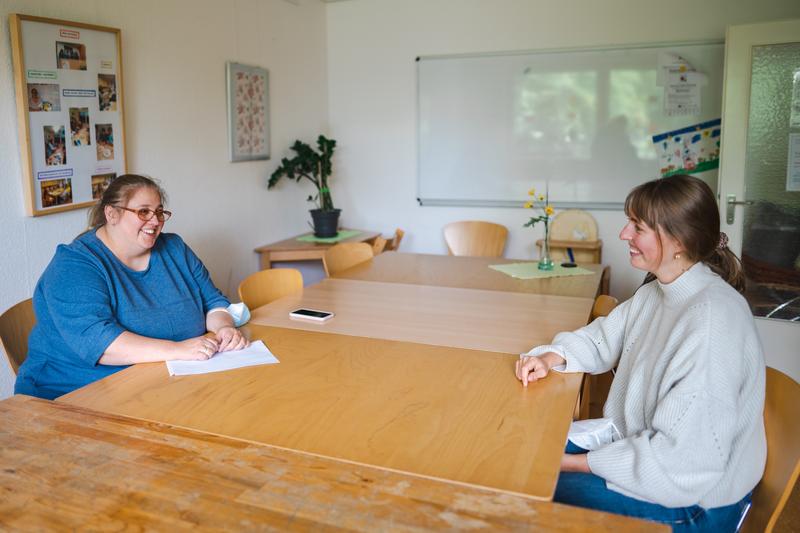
(313, 165)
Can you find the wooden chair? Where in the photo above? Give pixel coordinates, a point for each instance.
(605, 281)
(783, 453)
(15, 326)
(575, 229)
(379, 245)
(345, 255)
(268, 285)
(594, 390)
(475, 238)
(603, 305)
(394, 243)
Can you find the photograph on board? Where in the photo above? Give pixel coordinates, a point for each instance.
(100, 183)
(56, 192)
(70, 56)
(79, 126)
(107, 92)
(55, 152)
(43, 97)
(104, 136)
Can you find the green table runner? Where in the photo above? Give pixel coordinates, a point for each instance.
(342, 235)
(531, 271)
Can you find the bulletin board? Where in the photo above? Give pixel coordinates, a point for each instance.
(68, 78)
(580, 121)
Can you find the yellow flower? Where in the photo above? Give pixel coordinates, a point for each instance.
(541, 197)
(528, 205)
(549, 210)
(532, 192)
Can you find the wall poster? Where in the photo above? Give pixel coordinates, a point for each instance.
(68, 78)
(248, 112)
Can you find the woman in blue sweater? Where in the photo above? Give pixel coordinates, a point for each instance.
(122, 293)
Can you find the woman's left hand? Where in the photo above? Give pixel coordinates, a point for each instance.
(230, 338)
(575, 462)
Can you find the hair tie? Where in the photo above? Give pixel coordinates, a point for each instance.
(723, 241)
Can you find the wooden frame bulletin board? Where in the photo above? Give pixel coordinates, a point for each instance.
(70, 112)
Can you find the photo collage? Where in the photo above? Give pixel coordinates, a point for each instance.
(73, 107)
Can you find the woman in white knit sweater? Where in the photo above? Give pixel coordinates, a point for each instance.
(688, 394)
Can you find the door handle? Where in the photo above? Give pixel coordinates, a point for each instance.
(731, 207)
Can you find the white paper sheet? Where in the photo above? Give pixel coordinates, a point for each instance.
(255, 354)
(793, 165)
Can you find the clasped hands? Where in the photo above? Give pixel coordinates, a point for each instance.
(227, 338)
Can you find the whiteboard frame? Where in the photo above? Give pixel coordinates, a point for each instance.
(598, 206)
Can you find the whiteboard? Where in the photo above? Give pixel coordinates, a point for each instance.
(490, 127)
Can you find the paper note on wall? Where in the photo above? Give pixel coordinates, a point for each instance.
(794, 117)
(793, 165)
(682, 85)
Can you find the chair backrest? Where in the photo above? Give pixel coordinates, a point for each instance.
(15, 326)
(603, 305)
(379, 245)
(345, 255)
(475, 238)
(394, 242)
(578, 226)
(573, 225)
(605, 280)
(783, 452)
(268, 285)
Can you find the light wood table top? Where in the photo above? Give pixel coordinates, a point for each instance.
(443, 316)
(293, 250)
(444, 413)
(67, 468)
(468, 273)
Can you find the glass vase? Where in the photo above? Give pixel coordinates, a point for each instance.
(545, 261)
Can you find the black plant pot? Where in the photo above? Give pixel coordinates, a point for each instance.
(326, 223)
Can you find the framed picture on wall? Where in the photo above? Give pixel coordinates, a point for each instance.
(248, 112)
(70, 111)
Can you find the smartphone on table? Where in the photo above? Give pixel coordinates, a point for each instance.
(311, 314)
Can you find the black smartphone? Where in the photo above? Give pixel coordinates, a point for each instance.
(311, 314)
(568, 265)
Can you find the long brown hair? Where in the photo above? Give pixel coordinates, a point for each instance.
(685, 208)
(118, 192)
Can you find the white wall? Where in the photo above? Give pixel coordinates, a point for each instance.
(371, 48)
(174, 54)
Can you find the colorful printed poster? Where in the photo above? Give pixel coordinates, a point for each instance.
(689, 150)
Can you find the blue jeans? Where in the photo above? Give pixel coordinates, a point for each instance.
(590, 491)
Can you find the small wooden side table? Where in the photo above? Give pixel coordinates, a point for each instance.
(293, 250)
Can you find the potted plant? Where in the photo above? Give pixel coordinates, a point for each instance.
(315, 166)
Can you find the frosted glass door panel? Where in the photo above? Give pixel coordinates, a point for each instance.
(771, 237)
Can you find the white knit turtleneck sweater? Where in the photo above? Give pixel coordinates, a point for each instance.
(688, 395)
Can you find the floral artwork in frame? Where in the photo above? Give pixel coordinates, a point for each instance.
(248, 112)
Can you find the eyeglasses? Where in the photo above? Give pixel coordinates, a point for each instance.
(146, 214)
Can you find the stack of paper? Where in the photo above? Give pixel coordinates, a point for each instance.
(255, 354)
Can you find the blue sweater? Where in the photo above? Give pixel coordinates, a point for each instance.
(87, 297)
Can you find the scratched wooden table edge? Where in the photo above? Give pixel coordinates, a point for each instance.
(112, 415)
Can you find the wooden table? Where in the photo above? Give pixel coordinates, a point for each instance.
(294, 250)
(442, 316)
(66, 468)
(445, 413)
(468, 273)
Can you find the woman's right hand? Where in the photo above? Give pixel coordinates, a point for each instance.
(535, 367)
(196, 349)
